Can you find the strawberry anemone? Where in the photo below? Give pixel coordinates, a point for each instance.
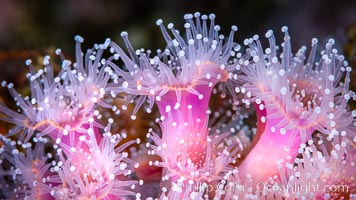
(180, 80)
(60, 106)
(294, 96)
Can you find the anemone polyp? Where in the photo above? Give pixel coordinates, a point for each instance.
(329, 172)
(98, 172)
(320, 172)
(191, 64)
(295, 97)
(307, 93)
(189, 156)
(28, 168)
(60, 105)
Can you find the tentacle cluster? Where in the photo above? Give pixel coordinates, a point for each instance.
(29, 171)
(201, 58)
(303, 92)
(95, 174)
(63, 103)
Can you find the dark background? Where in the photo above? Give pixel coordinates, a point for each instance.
(30, 29)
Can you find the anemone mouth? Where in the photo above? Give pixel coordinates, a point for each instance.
(344, 187)
(73, 124)
(306, 93)
(91, 174)
(196, 157)
(204, 76)
(70, 115)
(35, 164)
(301, 112)
(191, 152)
(206, 73)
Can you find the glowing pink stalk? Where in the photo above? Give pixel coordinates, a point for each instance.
(190, 110)
(274, 147)
(184, 129)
